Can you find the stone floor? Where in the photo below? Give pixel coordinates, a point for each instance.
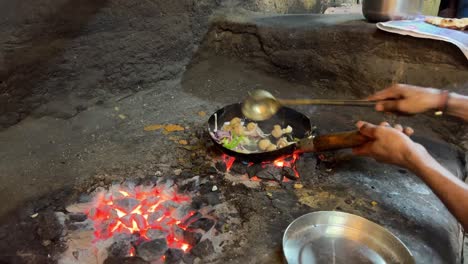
(78, 91)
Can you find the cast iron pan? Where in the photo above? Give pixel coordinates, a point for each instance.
(284, 117)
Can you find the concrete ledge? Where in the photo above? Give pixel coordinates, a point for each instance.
(343, 50)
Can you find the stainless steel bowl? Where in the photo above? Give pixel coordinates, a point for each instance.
(337, 237)
(385, 10)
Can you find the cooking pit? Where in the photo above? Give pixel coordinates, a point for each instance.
(106, 156)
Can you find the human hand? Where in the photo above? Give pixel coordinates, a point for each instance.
(389, 145)
(407, 99)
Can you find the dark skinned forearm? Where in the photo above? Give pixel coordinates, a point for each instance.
(457, 105)
(452, 191)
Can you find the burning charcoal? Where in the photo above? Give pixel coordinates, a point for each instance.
(239, 167)
(252, 170)
(170, 203)
(152, 218)
(152, 250)
(124, 260)
(221, 166)
(289, 173)
(271, 173)
(192, 237)
(49, 226)
(173, 256)
(192, 219)
(77, 217)
(153, 234)
(203, 249)
(119, 248)
(178, 232)
(204, 224)
(127, 204)
(181, 212)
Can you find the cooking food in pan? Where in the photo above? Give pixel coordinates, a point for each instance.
(247, 137)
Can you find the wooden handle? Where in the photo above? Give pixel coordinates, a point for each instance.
(341, 140)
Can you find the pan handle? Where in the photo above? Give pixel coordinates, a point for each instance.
(335, 141)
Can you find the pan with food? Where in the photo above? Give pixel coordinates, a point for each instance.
(285, 132)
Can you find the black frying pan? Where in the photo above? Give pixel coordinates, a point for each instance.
(284, 117)
(301, 129)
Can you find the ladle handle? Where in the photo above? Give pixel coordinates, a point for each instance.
(335, 141)
(326, 102)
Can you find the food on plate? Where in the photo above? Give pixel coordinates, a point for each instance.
(249, 138)
(452, 23)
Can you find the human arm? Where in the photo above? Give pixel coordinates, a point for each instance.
(390, 145)
(412, 99)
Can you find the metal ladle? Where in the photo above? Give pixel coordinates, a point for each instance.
(261, 105)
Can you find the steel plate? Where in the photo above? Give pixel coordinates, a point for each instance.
(337, 237)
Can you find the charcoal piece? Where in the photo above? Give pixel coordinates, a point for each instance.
(85, 198)
(307, 163)
(174, 256)
(192, 219)
(49, 226)
(181, 212)
(203, 249)
(211, 198)
(127, 204)
(211, 170)
(192, 237)
(252, 170)
(206, 188)
(271, 173)
(190, 185)
(289, 173)
(119, 248)
(124, 260)
(239, 167)
(186, 174)
(188, 258)
(171, 204)
(77, 217)
(153, 234)
(153, 217)
(219, 226)
(178, 232)
(197, 202)
(152, 250)
(221, 166)
(204, 224)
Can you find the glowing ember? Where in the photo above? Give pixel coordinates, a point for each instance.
(139, 210)
(285, 161)
(229, 161)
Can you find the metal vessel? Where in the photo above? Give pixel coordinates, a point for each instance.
(337, 237)
(385, 10)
